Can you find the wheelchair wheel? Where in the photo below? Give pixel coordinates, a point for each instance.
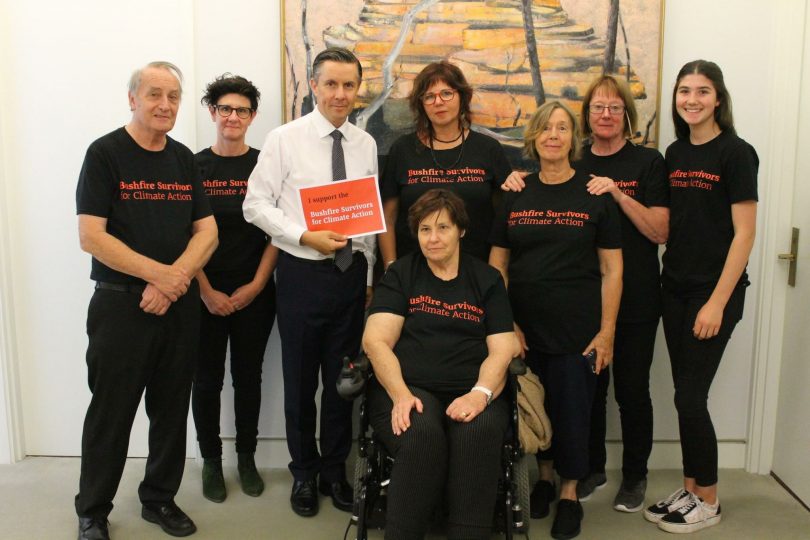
(360, 470)
(522, 491)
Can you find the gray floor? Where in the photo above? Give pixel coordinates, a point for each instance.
(36, 502)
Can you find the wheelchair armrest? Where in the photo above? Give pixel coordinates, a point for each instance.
(517, 366)
(353, 376)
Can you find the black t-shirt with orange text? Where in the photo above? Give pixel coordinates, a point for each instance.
(553, 232)
(704, 181)
(410, 171)
(443, 340)
(640, 173)
(149, 199)
(241, 244)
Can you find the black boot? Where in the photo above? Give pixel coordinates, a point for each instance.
(213, 482)
(252, 483)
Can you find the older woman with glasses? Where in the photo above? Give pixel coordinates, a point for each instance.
(442, 152)
(238, 294)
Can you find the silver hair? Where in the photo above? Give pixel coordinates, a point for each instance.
(135, 79)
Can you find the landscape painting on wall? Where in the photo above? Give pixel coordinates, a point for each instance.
(569, 43)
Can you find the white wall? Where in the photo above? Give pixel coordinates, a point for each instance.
(736, 35)
(70, 63)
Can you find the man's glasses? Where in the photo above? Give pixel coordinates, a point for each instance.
(614, 110)
(447, 95)
(226, 110)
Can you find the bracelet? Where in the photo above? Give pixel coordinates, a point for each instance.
(486, 391)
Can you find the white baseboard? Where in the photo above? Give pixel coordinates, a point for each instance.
(667, 455)
(273, 454)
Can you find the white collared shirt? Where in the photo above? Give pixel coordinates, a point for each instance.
(299, 154)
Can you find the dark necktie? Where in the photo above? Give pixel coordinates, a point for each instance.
(343, 256)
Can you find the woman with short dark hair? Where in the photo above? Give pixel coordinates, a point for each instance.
(237, 290)
(439, 337)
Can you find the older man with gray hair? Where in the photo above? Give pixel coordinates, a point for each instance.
(145, 219)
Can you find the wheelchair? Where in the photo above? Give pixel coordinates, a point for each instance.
(372, 471)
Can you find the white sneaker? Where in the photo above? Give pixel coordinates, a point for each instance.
(692, 516)
(655, 512)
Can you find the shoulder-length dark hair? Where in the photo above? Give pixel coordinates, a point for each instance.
(450, 74)
(722, 113)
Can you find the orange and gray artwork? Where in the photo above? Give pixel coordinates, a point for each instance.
(515, 53)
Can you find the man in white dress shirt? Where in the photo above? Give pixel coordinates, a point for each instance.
(322, 277)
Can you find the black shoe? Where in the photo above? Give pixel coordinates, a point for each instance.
(567, 520)
(304, 499)
(93, 528)
(542, 496)
(171, 519)
(341, 492)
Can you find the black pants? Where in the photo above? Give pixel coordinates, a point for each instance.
(694, 363)
(248, 330)
(569, 384)
(131, 352)
(632, 357)
(320, 320)
(438, 457)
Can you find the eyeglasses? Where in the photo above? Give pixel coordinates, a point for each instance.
(614, 110)
(226, 110)
(447, 95)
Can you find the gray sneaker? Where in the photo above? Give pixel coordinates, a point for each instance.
(589, 484)
(630, 497)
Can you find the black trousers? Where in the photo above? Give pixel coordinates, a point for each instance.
(570, 385)
(320, 320)
(632, 357)
(694, 364)
(248, 331)
(439, 457)
(132, 354)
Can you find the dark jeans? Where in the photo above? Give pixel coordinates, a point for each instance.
(694, 363)
(439, 457)
(132, 354)
(632, 357)
(248, 331)
(569, 384)
(320, 320)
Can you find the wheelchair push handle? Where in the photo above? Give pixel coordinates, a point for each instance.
(517, 366)
(352, 379)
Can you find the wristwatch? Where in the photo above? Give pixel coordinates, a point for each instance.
(487, 392)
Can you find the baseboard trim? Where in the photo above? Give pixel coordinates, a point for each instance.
(273, 454)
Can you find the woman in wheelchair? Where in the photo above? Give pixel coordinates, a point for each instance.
(440, 338)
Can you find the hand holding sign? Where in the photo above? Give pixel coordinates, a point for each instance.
(325, 242)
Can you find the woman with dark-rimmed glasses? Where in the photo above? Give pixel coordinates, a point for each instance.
(443, 152)
(237, 290)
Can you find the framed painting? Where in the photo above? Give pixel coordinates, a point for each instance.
(516, 54)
